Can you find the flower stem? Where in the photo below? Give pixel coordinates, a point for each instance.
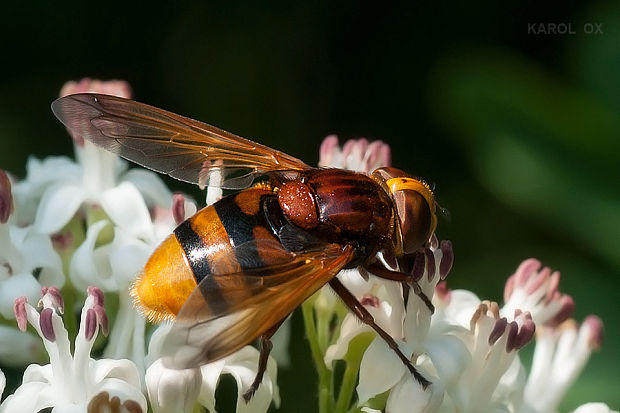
(326, 400)
(70, 316)
(353, 359)
(346, 389)
(322, 327)
(73, 231)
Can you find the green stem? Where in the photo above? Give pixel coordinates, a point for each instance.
(353, 359)
(198, 409)
(70, 318)
(346, 389)
(322, 326)
(76, 231)
(326, 400)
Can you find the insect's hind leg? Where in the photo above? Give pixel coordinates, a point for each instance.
(363, 314)
(265, 350)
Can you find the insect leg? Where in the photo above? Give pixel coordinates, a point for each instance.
(363, 314)
(265, 349)
(388, 274)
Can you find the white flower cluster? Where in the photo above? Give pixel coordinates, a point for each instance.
(90, 225)
(73, 382)
(467, 348)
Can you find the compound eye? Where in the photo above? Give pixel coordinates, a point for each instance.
(388, 172)
(416, 219)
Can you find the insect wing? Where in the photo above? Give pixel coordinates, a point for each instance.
(181, 147)
(226, 312)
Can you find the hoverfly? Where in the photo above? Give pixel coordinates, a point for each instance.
(234, 271)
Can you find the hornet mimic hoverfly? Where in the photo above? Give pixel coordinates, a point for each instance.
(234, 271)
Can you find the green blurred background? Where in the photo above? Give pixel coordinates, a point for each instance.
(519, 131)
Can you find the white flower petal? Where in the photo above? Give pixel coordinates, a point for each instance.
(40, 175)
(594, 408)
(89, 266)
(355, 283)
(172, 390)
(18, 349)
(126, 339)
(380, 370)
(157, 341)
(349, 329)
(122, 369)
(51, 275)
(242, 365)
(35, 373)
(126, 208)
(58, 205)
(259, 402)
(117, 388)
(2, 383)
(29, 398)
(408, 396)
(15, 286)
(417, 324)
(210, 377)
(100, 168)
(150, 185)
(17, 246)
(70, 408)
(46, 259)
(511, 385)
(127, 256)
(462, 305)
(450, 357)
(559, 356)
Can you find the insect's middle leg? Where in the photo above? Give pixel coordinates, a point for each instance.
(362, 313)
(265, 349)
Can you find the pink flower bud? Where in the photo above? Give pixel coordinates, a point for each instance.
(118, 88)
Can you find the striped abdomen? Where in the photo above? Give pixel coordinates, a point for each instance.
(219, 239)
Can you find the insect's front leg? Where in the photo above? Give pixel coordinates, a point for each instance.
(265, 349)
(408, 279)
(362, 313)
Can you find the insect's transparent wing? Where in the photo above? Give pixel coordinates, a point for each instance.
(228, 311)
(181, 147)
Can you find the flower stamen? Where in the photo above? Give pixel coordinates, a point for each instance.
(536, 290)
(21, 314)
(178, 208)
(447, 258)
(51, 298)
(46, 325)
